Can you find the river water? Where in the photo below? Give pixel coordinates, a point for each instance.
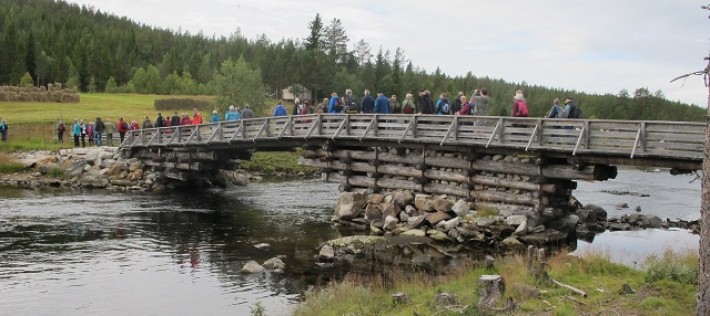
(100, 253)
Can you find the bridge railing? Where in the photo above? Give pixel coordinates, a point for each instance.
(633, 138)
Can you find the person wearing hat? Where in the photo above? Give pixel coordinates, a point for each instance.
(520, 107)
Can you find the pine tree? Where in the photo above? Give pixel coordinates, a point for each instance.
(30, 59)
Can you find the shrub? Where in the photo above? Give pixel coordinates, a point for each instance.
(673, 266)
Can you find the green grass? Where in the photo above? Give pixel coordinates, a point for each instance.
(273, 162)
(593, 273)
(132, 107)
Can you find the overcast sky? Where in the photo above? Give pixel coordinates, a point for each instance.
(599, 46)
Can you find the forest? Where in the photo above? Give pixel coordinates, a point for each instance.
(48, 41)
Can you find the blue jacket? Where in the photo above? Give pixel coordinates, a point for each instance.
(214, 118)
(382, 105)
(368, 104)
(280, 110)
(331, 106)
(76, 129)
(232, 116)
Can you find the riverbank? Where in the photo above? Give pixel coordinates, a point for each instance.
(665, 285)
(106, 168)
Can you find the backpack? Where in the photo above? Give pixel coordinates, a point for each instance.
(445, 108)
(338, 105)
(61, 127)
(522, 108)
(408, 109)
(350, 105)
(574, 111)
(562, 112)
(124, 126)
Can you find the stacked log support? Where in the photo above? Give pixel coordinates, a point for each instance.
(504, 184)
(186, 164)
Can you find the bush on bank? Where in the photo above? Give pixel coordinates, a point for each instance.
(603, 280)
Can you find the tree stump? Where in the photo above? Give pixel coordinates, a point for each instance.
(445, 299)
(490, 290)
(400, 298)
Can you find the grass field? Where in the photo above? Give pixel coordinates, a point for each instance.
(32, 124)
(133, 107)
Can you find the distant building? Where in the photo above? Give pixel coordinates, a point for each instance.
(296, 91)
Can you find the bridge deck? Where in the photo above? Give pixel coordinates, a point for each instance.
(663, 143)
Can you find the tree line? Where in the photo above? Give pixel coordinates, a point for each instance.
(47, 41)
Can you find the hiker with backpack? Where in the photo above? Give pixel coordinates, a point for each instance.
(557, 111)
(520, 106)
(442, 105)
(335, 106)
(573, 111)
(122, 129)
(408, 106)
(350, 103)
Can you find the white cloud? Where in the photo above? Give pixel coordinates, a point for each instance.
(598, 46)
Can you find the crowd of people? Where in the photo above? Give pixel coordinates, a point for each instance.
(94, 133)
(423, 103)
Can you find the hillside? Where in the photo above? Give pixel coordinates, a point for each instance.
(54, 41)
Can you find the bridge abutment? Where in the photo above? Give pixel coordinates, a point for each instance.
(498, 184)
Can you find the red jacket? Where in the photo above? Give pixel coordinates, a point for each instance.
(197, 119)
(122, 126)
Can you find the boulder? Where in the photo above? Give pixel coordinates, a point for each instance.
(350, 205)
(252, 267)
(327, 253)
(437, 235)
(414, 232)
(372, 212)
(389, 209)
(423, 202)
(566, 223)
(275, 264)
(515, 220)
(597, 212)
(377, 198)
(403, 198)
(435, 217)
(460, 208)
(441, 204)
(415, 221)
(390, 222)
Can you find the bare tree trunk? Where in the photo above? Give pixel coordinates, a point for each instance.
(703, 307)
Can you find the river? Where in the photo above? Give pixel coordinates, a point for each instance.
(101, 253)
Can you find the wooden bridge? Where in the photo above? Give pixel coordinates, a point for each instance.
(584, 142)
(515, 166)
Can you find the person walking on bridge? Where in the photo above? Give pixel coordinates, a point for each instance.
(382, 104)
(280, 110)
(247, 113)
